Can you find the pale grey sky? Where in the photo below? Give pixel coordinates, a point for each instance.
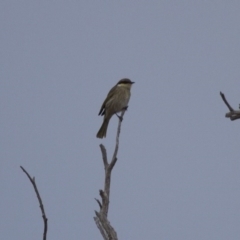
(178, 171)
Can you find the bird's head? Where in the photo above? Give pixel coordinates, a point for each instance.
(125, 82)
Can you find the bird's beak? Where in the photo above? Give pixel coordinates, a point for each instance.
(132, 82)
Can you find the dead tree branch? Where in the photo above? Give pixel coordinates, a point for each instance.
(232, 114)
(101, 220)
(32, 180)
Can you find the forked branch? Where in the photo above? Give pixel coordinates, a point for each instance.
(101, 220)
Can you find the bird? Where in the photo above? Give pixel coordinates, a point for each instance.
(116, 101)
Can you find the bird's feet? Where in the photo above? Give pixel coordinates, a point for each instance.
(124, 109)
(120, 118)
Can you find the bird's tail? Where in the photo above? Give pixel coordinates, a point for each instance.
(103, 130)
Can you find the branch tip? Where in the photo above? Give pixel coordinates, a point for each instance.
(45, 220)
(99, 203)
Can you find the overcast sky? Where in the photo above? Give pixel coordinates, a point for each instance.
(178, 169)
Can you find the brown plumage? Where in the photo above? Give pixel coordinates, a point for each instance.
(116, 100)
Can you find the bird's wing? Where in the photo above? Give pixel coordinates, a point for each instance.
(108, 98)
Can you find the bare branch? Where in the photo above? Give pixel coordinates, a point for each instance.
(104, 156)
(233, 114)
(105, 201)
(114, 158)
(101, 220)
(110, 167)
(100, 226)
(32, 180)
(105, 227)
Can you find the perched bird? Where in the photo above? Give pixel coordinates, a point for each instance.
(116, 101)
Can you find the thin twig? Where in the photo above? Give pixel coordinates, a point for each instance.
(233, 114)
(226, 102)
(45, 220)
(99, 203)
